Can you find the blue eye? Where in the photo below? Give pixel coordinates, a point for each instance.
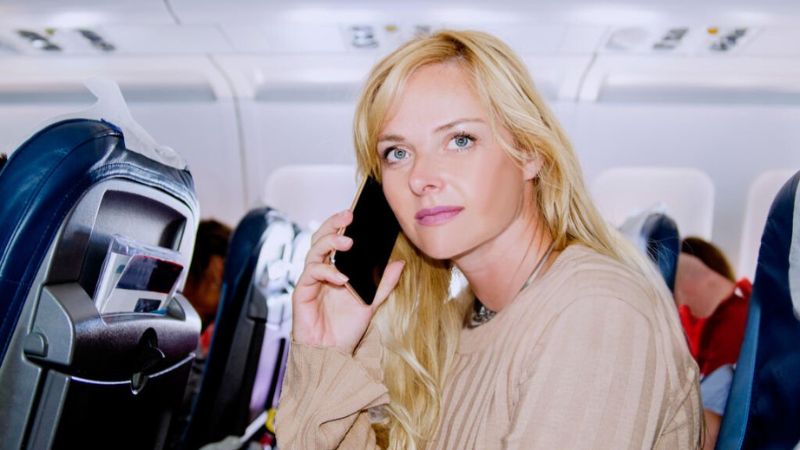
(395, 154)
(462, 142)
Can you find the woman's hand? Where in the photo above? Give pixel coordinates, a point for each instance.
(324, 312)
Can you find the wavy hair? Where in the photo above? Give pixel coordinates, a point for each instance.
(419, 326)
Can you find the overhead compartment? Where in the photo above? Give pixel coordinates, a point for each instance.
(697, 80)
(298, 108)
(704, 109)
(182, 101)
(294, 109)
(82, 13)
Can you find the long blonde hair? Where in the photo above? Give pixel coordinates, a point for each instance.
(419, 326)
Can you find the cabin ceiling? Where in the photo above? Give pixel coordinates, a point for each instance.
(200, 27)
(76, 13)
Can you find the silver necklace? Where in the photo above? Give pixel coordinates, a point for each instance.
(481, 314)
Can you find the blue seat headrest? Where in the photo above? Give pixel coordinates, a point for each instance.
(660, 233)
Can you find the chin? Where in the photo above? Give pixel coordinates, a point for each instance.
(439, 250)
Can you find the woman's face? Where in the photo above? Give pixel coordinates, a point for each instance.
(445, 176)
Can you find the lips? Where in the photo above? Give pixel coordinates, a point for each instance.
(437, 215)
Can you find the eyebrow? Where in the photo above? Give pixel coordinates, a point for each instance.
(398, 138)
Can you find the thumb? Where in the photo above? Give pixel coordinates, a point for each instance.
(391, 275)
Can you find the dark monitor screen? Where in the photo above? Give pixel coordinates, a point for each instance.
(145, 273)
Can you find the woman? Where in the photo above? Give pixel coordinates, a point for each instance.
(564, 339)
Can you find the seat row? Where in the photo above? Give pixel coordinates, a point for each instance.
(96, 340)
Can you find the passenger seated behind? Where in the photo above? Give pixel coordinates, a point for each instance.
(202, 289)
(205, 275)
(713, 310)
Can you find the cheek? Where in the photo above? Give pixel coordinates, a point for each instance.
(497, 187)
(393, 191)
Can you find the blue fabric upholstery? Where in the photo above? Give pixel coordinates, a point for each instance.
(44, 179)
(763, 409)
(663, 245)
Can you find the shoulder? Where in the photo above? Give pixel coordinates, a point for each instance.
(593, 299)
(582, 278)
(587, 296)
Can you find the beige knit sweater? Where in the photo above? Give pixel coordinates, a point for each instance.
(584, 357)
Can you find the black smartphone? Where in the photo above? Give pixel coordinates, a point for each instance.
(374, 230)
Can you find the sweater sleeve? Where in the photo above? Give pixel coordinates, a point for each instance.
(326, 394)
(595, 381)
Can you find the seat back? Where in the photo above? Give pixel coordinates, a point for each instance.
(253, 307)
(72, 374)
(687, 194)
(663, 245)
(656, 234)
(759, 198)
(309, 194)
(274, 353)
(763, 409)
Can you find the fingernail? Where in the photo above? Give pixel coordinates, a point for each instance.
(344, 240)
(342, 277)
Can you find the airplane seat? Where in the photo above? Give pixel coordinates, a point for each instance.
(275, 352)
(656, 234)
(95, 341)
(763, 408)
(308, 194)
(687, 194)
(253, 304)
(759, 198)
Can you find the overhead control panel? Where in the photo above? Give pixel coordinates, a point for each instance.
(685, 40)
(723, 40)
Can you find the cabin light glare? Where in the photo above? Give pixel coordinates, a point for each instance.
(77, 19)
(326, 15)
(614, 15)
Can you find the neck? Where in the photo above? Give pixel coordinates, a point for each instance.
(498, 269)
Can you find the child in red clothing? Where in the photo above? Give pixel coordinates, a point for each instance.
(715, 340)
(713, 310)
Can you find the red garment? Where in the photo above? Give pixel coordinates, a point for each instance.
(205, 339)
(715, 340)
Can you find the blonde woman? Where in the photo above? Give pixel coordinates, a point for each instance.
(566, 337)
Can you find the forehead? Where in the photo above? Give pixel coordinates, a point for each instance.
(435, 94)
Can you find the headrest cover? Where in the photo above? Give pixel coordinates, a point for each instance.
(111, 107)
(632, 226)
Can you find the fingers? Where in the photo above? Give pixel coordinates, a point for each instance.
(391, 276)
(312, 278)
(323, 247)
(321, 272)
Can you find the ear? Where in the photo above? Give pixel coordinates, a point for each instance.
(531, 167)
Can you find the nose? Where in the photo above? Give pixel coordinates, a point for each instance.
(426, 176)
